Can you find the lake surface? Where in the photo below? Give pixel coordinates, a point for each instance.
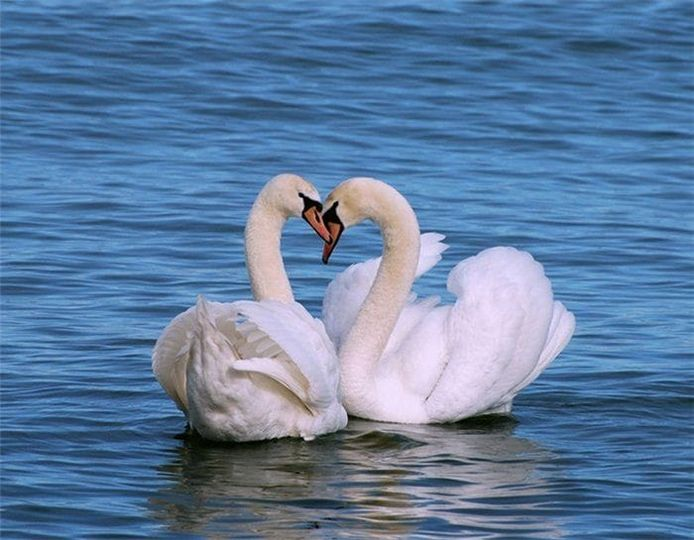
(135, 137)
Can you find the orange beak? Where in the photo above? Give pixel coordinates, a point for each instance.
(313, 218)
(335, 228)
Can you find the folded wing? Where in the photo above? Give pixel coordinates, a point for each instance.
(503, 330)
(247, 370)
(284, 342)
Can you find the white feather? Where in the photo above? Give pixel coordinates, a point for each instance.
(417, 361)
(250, 370)
(255, 370)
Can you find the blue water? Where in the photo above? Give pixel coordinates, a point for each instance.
(135, 137)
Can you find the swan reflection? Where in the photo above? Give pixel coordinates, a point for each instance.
(473, 477)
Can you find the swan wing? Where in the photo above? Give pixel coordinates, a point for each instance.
(250, 371)
(172, 351)
(284, 342)
(561, 329)
(281, 341)
(346, 293)
(503, 330)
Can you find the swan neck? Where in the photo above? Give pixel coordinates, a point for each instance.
(264, 262)
(367, 340)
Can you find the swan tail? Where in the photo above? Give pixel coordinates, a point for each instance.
(206, 328)
(202, 310)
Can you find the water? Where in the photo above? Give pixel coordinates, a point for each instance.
(134, 139)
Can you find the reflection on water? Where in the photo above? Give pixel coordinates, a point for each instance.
(473, 478)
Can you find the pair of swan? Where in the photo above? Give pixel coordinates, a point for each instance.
(252, 370)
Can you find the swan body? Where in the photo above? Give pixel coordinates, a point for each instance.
(416, 361)
(248, 371)
(254, 370)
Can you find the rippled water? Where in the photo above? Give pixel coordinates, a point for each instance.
(134, 139)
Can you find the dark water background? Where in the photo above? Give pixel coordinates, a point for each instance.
(134, 139)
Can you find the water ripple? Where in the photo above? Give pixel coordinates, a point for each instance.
(134, 140)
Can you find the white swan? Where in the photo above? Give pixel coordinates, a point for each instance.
(250, 370)
(409, 361)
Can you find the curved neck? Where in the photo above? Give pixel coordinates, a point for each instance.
(367, 339)
(264, 262)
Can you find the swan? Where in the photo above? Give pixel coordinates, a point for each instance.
(263, 369)
(415, 361)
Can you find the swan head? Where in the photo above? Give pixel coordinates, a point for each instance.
(356, 200)
(293, 196)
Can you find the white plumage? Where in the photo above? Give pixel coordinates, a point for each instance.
(253, 370)
(346, 293)
(415, 361)
(250, 370)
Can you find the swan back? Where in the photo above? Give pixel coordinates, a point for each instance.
(251, 371)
